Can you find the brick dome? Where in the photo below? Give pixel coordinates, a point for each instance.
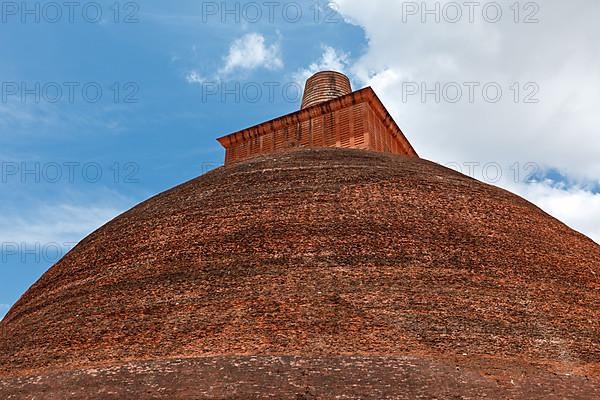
(314, 274)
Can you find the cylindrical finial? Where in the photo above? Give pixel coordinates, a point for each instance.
(324, 86)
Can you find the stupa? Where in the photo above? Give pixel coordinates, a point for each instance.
(325, 260)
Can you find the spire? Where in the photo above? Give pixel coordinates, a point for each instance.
(324, 86)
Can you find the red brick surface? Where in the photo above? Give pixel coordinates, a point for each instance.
(325, 86)
(318, 254)
(357, 120)
(302, 378)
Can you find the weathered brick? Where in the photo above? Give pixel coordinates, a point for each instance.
(331, 116)
(386, 277)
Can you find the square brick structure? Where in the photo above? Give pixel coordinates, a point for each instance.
(331, 116)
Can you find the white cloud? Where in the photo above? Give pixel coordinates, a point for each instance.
(331, 60)
(30, 119)
(59, 223)
(11, 112)
(556, 54)
(195, 77)
(559, 54)
(246, 53)
(251, 52)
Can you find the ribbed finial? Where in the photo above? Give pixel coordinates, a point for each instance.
(324, 86)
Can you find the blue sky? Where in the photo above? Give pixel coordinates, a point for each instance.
(161, 135)
(155, 124)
